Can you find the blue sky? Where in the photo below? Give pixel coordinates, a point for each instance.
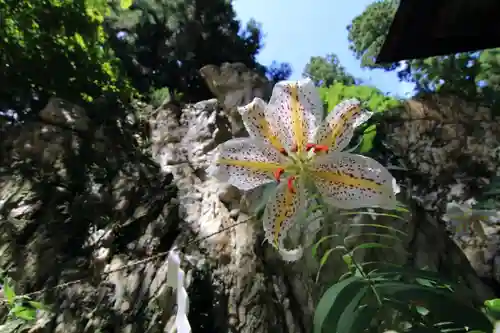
(295, 30)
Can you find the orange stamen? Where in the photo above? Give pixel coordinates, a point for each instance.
(316, 148)
(320, 148)
(283, 151)
(290, 184)
(278, 173)
(294, 148)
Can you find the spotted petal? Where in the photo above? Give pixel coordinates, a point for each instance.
(351, 181)
(337, 129)
(246, 163)
(294, 111)
(256, 123)
(279, 215)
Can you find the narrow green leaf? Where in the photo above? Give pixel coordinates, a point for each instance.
(379, 265)
(442, 305)
(493, 304)
(411, 272)
(344, 276)
(325, 257)
(349, 315)
(359, 321)
(323, 260)
(423, 311)
(370, 246)
(373, 234)
(378, 226)
(8, 292)
(426, 282)
(334, 301)
(372, 213)
(24, 313)
(347, 258)
(125, 4)
(318, 243)
(37, 305)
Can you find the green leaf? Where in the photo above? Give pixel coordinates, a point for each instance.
(443, 306)
(355, 314)
(318, 243)
(8, 292)
(347, 258)
(324, 258)
(125, 4)
(362, 318)
(23, 312)
(334, 301)
(409, 272)
(493, 304)
(374, 234)
(378, 226)
(373, 214)
(37, 305)
(370, 246)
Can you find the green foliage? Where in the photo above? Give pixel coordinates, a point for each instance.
(55, 47)
(372, 98)
(389, 296)
(367, 31)
(22, 309)
(160, 96)
(474, 76)
(165, 43)
(324, 71)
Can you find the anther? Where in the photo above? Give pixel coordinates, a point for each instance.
(278, 173)
(294, 148)
(320, 148)
(316, 148)
(290, 184)
(283, 151)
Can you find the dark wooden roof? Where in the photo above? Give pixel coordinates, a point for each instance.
(426, 28)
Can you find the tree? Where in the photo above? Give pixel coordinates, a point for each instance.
(324, 71)
(373, 99)
(164, 43)
(278, 71)
(473, 76)
(58, 48)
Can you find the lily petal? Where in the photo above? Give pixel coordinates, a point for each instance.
(351, 181)
(279, 215)
(294, 111)
(337, 129)
(246, 163)
(256, 123)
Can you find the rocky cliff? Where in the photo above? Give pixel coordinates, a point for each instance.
(87, 218)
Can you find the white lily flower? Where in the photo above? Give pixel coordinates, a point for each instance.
(286, 142)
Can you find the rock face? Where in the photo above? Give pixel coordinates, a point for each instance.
(451, 149)
(85, 209)
(246, 290)
(79, 209)
(233, 84)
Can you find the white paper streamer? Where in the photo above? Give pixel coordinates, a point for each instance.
(175, 279)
